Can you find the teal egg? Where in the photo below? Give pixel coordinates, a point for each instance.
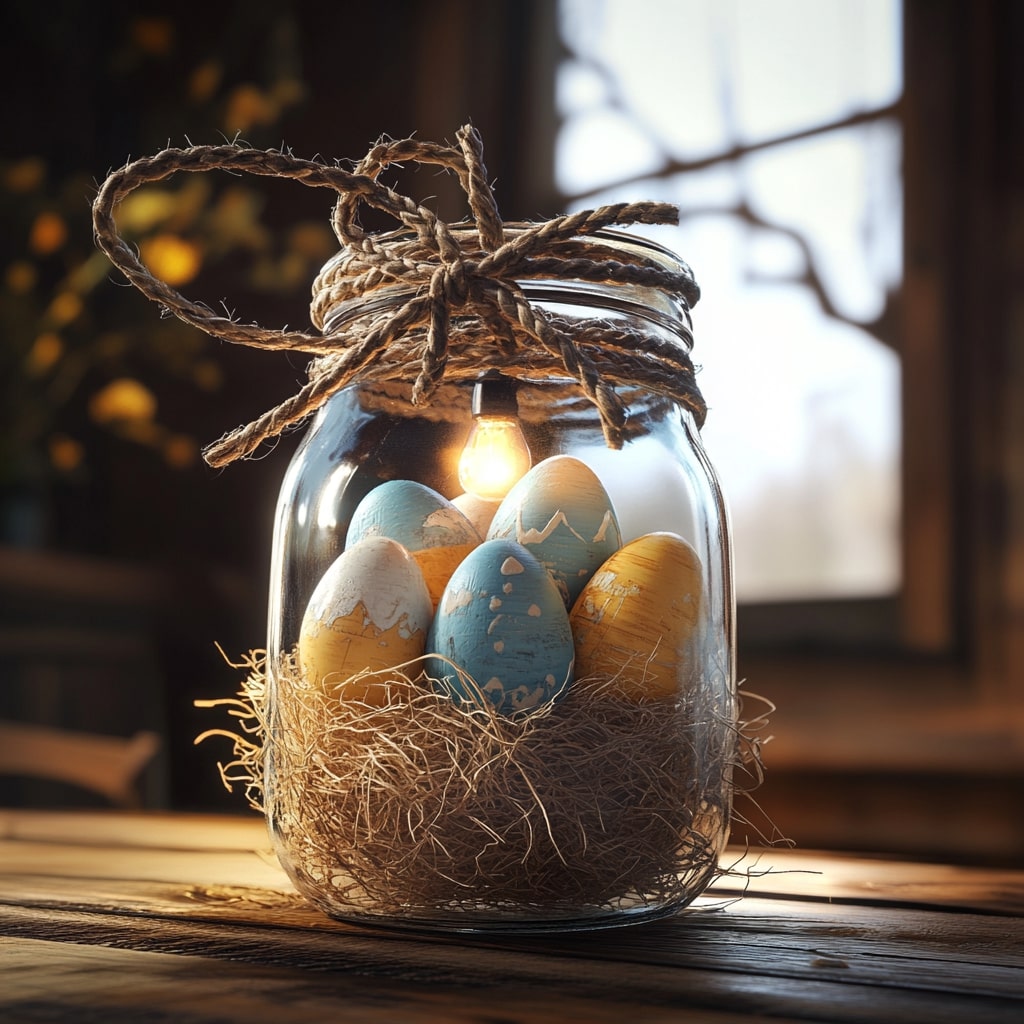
(502, 621)
(411, 513)
(562, 514)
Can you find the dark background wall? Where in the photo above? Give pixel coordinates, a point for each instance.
(88, 87)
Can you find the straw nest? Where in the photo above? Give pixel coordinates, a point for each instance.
(409, 802)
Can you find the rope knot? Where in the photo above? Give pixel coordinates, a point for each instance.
(453, 282)
(458, 300)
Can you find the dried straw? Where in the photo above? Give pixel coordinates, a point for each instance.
(415, 806)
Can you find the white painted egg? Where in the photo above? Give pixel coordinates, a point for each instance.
(370, 611)
(501, 620)
(636, 619)
(425, 523)
(561, 512)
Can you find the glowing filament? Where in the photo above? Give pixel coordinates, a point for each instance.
(494, 458)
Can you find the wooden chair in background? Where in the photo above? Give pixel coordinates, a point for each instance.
(107, 765)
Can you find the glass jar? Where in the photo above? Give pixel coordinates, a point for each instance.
(503, 711)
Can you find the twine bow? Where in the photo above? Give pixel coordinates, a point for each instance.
(458, 284)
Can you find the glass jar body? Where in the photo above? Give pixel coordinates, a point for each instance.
(397, 798)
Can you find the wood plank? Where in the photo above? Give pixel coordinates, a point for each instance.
(775, 872)
(816, 937)
(49, 981)
(58, 576)
(371, 962)
(876, 881)
(952, 953)
(135, 829)
(257, 868)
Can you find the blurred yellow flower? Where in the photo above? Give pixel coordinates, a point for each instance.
(248, 106)
(123, 400)
(153, 35)
(21, 277)
(207, 375)
(47, 234)
(66, 306)
(172, 258)
(180, 451)
(146, 207)
(66, 453)
(26, 175)
(314, 241)
(44, 353)
(235, 221)
(61, 353)
(205, 80)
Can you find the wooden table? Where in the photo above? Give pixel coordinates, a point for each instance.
(155, 918)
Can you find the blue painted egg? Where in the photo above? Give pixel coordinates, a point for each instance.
(425, 523)
(561, 512)
(502, 621)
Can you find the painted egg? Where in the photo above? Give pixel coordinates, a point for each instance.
(502, 621)
(425, 523)
(370, 611)
(479, 511)
(561, 512)
(635, 620)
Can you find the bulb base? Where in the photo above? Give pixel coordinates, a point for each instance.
(495, 395)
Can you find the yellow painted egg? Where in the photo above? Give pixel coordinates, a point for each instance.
(370, 611)
(635, 621)
(425, 523)
(562, 514)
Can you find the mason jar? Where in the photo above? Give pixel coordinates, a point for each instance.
(500, 658)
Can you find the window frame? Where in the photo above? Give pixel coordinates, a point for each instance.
(941, 687)
(909, 683)
(948, 695)
(816, 623)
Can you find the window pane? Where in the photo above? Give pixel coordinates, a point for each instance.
(696, 77)
(796, 245)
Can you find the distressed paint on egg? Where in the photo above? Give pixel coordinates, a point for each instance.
(436, 533)
(502, 621)
(635, 620)
(370, 611)
(561, 512)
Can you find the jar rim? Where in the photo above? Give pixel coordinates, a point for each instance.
(646, 247)
(672, 312)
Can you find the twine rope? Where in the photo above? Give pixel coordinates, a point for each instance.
(460, 306)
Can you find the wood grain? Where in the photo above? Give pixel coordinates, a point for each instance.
(88, 898)
(114, 985)
(765, 873)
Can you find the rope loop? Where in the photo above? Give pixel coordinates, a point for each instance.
(454, 287)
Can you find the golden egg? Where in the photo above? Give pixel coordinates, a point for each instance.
(635, 622)
(370, 612)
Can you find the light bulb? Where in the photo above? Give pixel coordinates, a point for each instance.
(496, 454)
